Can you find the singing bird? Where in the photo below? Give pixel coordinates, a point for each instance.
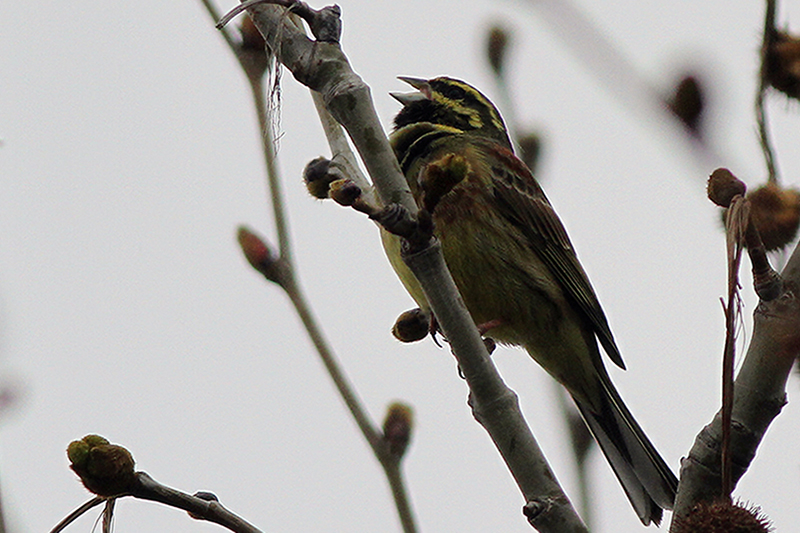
(515, 267)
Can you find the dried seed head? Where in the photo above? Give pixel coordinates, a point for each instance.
(776, 214)
(723, 186)
(722, 517)
(782, 68)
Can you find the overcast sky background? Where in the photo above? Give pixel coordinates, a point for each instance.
(130, 154)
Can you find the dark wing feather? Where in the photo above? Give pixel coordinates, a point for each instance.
(524, 204)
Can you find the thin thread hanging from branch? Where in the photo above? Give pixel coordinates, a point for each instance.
(736, 225)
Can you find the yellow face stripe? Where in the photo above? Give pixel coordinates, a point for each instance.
(474, 116)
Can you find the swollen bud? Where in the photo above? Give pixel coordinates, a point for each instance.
(412, 325)
(530, 145)
(318, 176)
(397, 428)
(441, 176)
(344, 192)
(496, 46)
(206, 496)
(104, 469)
(688, 103)
(258, 253)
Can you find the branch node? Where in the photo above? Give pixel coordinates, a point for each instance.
(767, 282)
(326, 24)
(397, 220)
(533, 509)
(206, 496)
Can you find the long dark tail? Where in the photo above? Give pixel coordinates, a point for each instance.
(646, 478)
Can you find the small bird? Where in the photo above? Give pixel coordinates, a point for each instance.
(515, 267)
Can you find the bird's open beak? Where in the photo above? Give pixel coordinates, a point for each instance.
(423, 91)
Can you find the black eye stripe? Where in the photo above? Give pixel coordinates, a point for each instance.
(449, 91)
(455, 104)
(454, 93)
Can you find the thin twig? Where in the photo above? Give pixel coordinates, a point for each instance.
(255, 80)
(226, 34)
(146, 488)
(323, 67)
(288, 282)
(273, 177)
(77, 513)
(340, 149)
(609, 65)
(300, 8)
(763, 86)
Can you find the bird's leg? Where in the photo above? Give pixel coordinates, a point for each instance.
(433, 329)
(488, 326)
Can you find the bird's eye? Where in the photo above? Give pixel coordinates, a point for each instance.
(452, 93)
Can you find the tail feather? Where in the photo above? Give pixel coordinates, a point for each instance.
(647, 480)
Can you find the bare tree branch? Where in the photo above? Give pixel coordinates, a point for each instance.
(281, 269)
(323, 67)
(759, 395)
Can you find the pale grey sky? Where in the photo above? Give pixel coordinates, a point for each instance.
(130, 155)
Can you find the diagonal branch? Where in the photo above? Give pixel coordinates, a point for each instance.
(763, 86)
(760, 394)
(323, 67)
(255, 62)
